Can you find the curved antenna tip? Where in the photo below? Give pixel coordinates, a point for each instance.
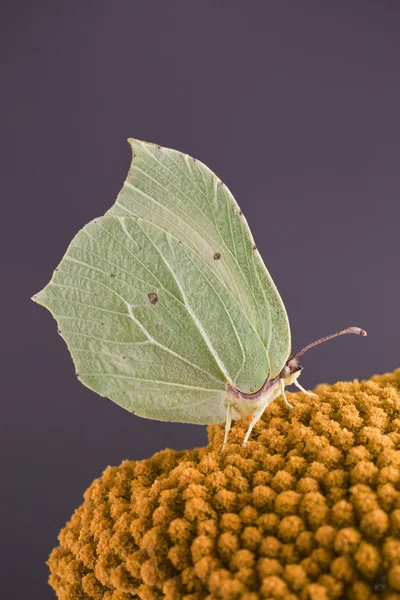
(356, 330)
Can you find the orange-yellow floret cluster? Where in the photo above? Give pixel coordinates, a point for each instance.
(310, 509)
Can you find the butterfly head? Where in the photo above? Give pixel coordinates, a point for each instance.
(291, 371)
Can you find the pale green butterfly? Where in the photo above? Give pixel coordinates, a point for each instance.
(166, 305)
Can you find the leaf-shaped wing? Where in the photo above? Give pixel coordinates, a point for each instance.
(184, 197)
(149, 324)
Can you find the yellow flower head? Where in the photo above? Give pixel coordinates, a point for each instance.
(310, 509)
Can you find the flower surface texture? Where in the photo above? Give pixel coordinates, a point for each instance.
(310, 509)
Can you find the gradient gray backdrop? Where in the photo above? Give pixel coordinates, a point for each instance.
(295, 105)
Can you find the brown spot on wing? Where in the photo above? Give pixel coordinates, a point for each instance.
(153, 297)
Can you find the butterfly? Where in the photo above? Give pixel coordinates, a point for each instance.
(166, 305)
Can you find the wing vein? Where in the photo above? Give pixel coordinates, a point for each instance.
(226, 310)
(107, 341)
(204, 335)
(181, 385)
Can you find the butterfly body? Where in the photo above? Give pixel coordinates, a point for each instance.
(243, 407)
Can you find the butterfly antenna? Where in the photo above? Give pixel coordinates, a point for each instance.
(355, 330)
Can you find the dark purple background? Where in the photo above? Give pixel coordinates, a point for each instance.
(295, 105)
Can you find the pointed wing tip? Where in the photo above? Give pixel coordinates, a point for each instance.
(36, 297)
(40, 297)
(135, 143)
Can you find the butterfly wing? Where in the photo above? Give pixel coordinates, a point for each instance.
(184, 197)
(164, 301)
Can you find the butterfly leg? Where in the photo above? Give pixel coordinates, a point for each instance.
(257, 414)
(296, 383)
(284, 395)
(227, 426)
